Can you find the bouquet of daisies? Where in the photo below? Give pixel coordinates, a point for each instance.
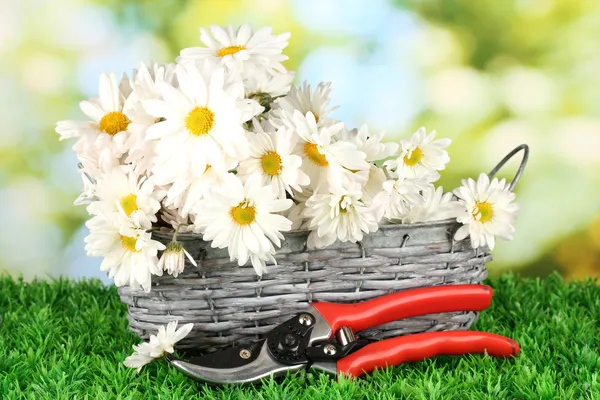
(222, 144)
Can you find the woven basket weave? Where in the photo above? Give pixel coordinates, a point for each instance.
(231, 305)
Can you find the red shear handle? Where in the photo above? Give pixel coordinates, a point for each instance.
(424, 345)
(406, 304)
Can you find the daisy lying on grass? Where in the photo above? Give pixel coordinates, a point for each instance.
(159, 344)
(222, 144)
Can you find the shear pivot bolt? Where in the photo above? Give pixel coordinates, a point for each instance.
(290, 340)
(306, 319)
(245, 354)
(329, 350)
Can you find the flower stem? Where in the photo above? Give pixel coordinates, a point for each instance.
(176, 232)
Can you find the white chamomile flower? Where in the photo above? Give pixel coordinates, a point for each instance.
(129, 194)
(296, 215)
(274, 85)
(264, 87)
(370, 143)
(108, 128)
(172, 216)
(173, 258)
(161, 343)
(372, 182)
(241, 50)
(305, 100)
(487, 211)
(88, 195)
(373, 177)
(421, 154)
(325, 161)
(338, 216)
(184, 193)
(130, 255)
(436, 206)
(296, 212)
(98, 162)
(243, 219)
(271, 157)
(399, 194)
(202, 126)
(94, 165)
(146, 82)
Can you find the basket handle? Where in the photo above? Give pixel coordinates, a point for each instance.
(525, 149)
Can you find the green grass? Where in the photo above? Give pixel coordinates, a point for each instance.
(67, 340)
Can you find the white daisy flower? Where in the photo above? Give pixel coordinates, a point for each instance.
(338, 216)
(305, 100)
(296, 212)
(370, 143)
(325, 161)
(88, 195)
(421, 154)
(173, 258)
(242, 217)
(108, 128)
(487, 211)
(172, 216)
(130, 255)
(274, 85)
(185, 192)
(373, 177)
(398, 196)
(240, 50)
(296, 215)
(202, 126)
(129, 194)
(146, 82)
(161, 343)
(93, 166)
(436, 206)
(271, 157)
(265, 87)
(372, 182)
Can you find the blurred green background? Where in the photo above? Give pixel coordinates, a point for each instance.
(489, 74)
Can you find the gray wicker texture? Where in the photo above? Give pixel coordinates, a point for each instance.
(231, 305)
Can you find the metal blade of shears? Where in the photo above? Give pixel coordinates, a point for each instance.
(243, 364)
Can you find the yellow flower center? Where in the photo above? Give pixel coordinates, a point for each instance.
(114, 122)
(486, 211)
(208, 166)
(128, 243)
(200, 121)
(243, 213)
(312, 152)
(271, 163)
(129, 204)
(415, 157)
(227, 51)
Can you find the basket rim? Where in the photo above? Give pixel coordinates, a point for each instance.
(448, 221)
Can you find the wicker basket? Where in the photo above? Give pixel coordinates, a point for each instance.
(231, 305)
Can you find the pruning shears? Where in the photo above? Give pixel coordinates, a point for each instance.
(323, 338)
